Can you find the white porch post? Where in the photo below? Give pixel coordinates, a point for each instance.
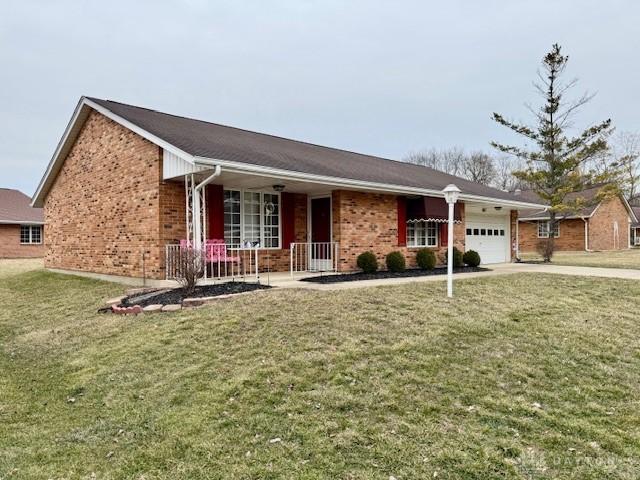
(451, 193)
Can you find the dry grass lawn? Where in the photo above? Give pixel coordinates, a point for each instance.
(614, 259)
(520, 377)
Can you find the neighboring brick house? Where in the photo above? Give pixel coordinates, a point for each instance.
(603, 225)
(635, 227)
(21, 226)
(128, 187)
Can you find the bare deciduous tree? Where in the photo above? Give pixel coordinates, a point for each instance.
(449, 160)
(478, 167)
(625, 151)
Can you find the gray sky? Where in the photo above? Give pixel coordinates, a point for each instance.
(376, 77)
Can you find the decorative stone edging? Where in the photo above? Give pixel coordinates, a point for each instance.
(113, 303)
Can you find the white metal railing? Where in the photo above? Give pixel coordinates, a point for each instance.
(219, 262)
(314, 257)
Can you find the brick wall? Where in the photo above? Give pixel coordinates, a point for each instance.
(10, 246)
(103, 210)
(571, 237)
(601, 226)
(369, 221)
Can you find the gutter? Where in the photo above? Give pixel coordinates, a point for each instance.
(235, 167)
(586, 234)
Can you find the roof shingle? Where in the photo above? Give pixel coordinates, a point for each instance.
(15, 208)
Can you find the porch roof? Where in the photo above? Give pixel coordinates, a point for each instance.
(197, 140)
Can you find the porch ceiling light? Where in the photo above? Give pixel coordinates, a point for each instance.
(278, 187)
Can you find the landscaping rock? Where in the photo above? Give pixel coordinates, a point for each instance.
(172, 307)
(153, 308)
(114, 301)
(135, 310)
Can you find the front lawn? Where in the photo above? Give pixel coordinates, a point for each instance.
(614, 259)
(521, 376)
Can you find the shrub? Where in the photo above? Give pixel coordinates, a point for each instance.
(457, 258)
(367, 262)
(190, 268)
(471, 258)
(426, 259)
(395, 262)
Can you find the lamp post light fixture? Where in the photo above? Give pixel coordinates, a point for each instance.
(451, 194)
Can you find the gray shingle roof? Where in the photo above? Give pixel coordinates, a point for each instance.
(220, 142)
(588, 194)
(14, 208)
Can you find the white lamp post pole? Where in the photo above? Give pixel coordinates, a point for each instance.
(451, 193)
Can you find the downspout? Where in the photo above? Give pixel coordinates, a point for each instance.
(197, 217)
(586, 234)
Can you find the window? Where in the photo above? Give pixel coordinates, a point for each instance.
(543, 229)
(30, 234)
(469, 231)
(422, 234)
(251, 219)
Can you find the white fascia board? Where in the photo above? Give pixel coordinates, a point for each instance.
(22, 222)
(57, 158)
(259, 170)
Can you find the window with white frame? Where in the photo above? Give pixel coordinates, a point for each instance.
(543, 229)
(30, 234)
(422, 234)
(251, 219)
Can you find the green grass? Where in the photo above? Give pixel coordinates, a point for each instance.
(521, 376)
(613, 259)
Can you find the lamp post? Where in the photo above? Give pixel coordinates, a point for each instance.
(451, 194)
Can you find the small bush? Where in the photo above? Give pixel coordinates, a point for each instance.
(426, 259)
(471, 258)
(395, 262)
(457, 258)
(367, 262)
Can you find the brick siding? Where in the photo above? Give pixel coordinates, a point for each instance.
(572, 232)
(571, 237)
(103, 211)
(369, 221)
(601, 229)
(10, 246)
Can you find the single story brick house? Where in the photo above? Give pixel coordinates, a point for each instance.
(127, 187)
(603, 225)
(21, 226)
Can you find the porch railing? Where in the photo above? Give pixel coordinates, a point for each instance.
(235, 264)
(314, 257)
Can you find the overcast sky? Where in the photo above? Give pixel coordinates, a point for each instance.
(383, 78)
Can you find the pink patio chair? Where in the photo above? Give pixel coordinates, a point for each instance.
(217, 252)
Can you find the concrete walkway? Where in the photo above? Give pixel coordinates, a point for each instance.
(285, 280)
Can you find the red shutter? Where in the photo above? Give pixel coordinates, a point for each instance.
(402, 221)
(288, 218)
(215, 211)
(444, 234)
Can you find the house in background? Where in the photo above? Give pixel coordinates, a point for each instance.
(129, 188)
(602, 226)
(635, 227)
(21, 226)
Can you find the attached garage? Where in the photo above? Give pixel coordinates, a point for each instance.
(489, 235)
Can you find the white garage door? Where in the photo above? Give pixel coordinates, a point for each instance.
(489, 236)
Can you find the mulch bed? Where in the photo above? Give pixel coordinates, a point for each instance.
(413, 272)
(177, 295)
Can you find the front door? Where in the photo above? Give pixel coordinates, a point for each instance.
(321, 254)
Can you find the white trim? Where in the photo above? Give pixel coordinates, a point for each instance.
(31, 228)
(17, 222)
(259, 170)
(438, 242)
(261, 192)
(548, 229)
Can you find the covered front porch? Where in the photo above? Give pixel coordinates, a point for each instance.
(250, 223)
